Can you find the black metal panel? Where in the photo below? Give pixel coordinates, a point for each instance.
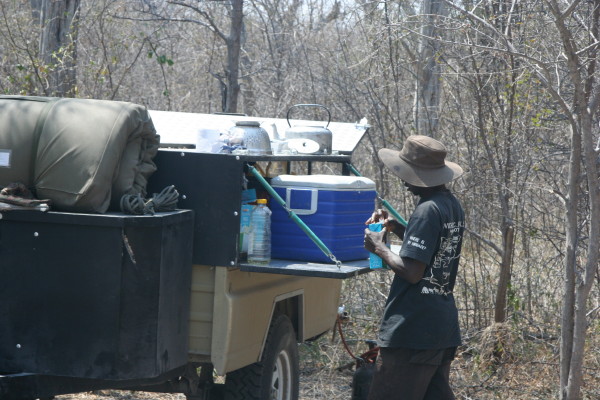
(211, 185)
(94, 296)
(27, 386)
(348, 269)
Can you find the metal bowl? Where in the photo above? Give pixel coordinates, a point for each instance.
(255, 139)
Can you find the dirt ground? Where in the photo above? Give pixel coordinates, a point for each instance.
(519, 383)
(322, 384)
(527, 370)
(517, 379)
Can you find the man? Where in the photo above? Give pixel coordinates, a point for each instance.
(419, 331)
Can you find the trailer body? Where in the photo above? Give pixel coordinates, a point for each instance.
(160, 302)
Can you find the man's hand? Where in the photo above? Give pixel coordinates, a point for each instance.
(374, 239)
(378, 215)
(390, 224)
(407, 268)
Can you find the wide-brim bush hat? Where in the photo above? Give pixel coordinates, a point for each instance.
(421, 162)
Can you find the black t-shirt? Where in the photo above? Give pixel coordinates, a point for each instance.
(424, 315)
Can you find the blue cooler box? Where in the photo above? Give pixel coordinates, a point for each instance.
(334, 207)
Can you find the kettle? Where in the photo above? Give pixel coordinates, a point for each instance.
(319, 134)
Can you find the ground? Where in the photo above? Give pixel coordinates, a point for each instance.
(528, 372)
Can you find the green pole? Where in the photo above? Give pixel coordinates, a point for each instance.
(293, 215)
(384, 202)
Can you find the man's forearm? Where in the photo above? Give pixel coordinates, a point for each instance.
(406, 268)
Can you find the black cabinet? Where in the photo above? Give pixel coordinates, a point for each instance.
(94, 296)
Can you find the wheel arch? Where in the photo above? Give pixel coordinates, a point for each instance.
(276, 374)
(290, 304)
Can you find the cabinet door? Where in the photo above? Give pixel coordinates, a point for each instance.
(211, 186)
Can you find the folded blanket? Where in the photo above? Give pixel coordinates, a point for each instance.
(82, 154)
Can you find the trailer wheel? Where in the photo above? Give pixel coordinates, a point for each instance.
(276, 375)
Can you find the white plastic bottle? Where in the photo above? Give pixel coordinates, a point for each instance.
(259, 245)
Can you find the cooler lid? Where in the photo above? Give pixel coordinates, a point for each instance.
(329, 182)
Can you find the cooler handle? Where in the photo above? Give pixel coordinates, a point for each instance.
(314, 199)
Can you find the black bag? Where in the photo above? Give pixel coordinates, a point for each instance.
(363, 375)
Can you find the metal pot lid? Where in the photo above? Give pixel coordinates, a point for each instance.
(303, 146)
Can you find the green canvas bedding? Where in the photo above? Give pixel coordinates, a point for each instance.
(82, 154)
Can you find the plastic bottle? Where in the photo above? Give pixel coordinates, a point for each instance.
(259, 245)
(375, 261)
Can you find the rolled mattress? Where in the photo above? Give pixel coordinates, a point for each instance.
(82, 154)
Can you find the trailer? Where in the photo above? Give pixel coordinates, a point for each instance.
(165, 302)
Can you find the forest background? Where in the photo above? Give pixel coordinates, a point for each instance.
(511, 88)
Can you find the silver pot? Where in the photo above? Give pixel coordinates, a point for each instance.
(254, 138)
(319, 134)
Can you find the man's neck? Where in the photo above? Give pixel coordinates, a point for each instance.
(428, 191)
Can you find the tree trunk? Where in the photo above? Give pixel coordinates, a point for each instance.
(58, 52)
(571, 385)
(576, 286)
(505, 273)
(234, 45)
(36, 10)
(568, 308)
(428, 82)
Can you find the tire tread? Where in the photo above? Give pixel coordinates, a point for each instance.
(247, 383)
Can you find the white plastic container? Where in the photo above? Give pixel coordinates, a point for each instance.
(259, 244)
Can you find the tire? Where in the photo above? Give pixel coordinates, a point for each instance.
(276, 375)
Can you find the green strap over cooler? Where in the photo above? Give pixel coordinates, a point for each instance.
(294, 217)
